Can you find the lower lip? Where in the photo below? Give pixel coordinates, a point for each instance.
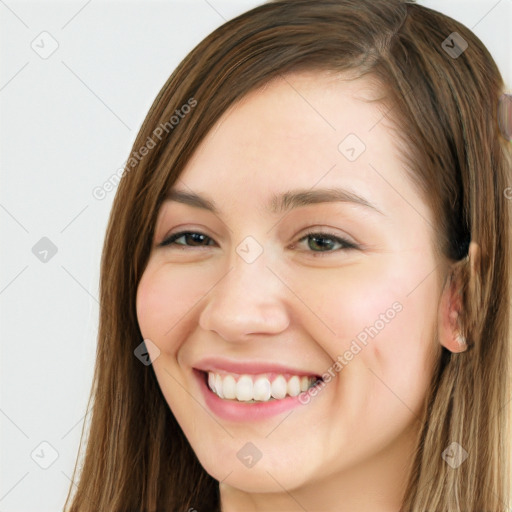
(243, 411)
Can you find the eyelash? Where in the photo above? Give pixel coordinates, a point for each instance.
(322, 235)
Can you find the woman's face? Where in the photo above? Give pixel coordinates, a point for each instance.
(308, 254)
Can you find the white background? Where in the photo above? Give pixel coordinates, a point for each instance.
(67, 124)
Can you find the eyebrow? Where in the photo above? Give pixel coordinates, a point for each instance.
(280, 203)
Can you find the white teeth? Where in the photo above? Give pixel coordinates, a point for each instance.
(293, 386)
(257, 388)
(219, 386)
(262, 389)
(244, 388)
(211, 381)
(279, 387)
(229, 387)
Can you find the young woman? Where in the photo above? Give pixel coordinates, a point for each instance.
(305, 283)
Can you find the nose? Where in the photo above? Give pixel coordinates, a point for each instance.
(248, 299)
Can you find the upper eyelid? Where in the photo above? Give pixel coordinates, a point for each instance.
(317, 228)
(310, 232)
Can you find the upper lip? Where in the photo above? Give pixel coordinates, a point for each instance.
(254, 367)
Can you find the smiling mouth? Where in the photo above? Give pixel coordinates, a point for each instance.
(264, 387)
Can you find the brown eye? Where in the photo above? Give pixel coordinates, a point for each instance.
(191, 239)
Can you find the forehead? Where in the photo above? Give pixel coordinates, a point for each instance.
(301, 130)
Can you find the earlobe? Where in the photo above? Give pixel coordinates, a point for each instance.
(461, 343)
(452, 338)
(449, 313)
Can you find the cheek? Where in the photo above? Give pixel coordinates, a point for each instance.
(381, 318)
(361, 301)
(165, 300)
(392, 320)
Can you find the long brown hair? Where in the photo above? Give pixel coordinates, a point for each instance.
(443, 99)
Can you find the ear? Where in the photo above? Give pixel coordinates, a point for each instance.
(450, 309)
(450, 312)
